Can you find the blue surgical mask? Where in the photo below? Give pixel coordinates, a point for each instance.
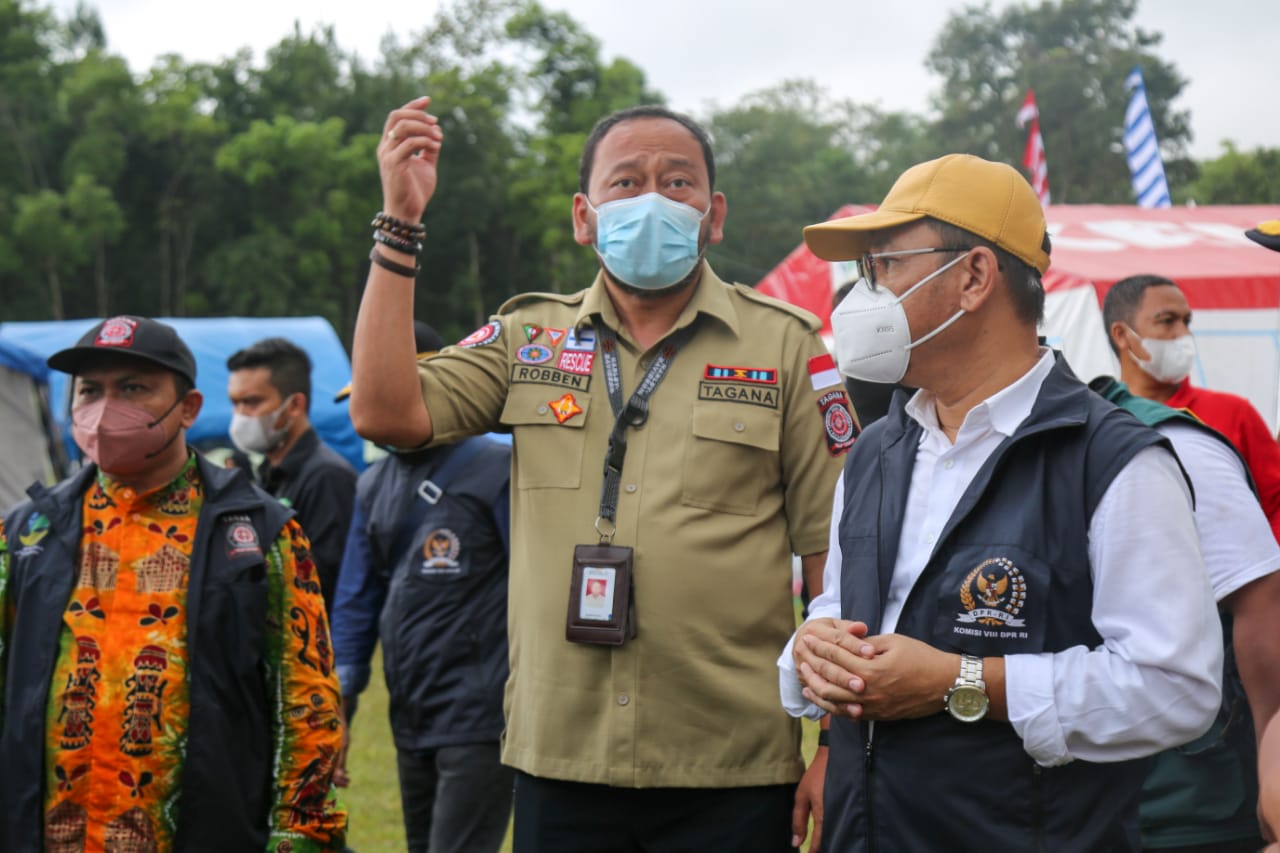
(649, 242)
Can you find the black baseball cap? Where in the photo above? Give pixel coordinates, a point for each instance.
(1266, 234)
(139, 337)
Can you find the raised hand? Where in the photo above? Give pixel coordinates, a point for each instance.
(407, 159)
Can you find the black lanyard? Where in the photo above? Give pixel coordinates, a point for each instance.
(634, 413)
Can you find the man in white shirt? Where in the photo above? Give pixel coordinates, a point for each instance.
(1014, 608)
(1202, 797)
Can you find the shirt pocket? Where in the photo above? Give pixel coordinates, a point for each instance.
(546, 452)
(731, 457)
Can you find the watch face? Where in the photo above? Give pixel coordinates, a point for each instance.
(967, 704)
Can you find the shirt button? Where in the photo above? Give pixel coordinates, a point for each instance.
(949, 464)
(136, 516)
(623, 699)
(631, 487)
(739, 427)
(127, 494)
(542, 410)
(930, 538)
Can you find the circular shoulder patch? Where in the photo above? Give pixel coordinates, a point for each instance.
(533, 354)
(486, 334)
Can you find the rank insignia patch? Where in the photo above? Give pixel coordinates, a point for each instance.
(581, 340)
(576, 362)
(993, 595)
(763, 375)
(838, 421)
(531, 331)
(533, 354)
(482, 336)
(822, 372)
(565, 408)
(555, 336)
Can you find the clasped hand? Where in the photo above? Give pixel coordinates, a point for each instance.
(884, 677)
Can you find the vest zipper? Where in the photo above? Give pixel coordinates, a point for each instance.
(868, 766)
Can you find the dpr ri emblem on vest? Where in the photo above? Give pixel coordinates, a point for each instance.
(993, 595)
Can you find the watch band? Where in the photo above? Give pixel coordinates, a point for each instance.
(970, 670)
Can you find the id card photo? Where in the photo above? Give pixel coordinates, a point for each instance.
(596, 601)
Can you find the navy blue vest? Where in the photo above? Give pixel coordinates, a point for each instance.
(227, 785)
(1009, 575)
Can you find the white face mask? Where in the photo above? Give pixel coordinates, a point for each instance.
(258, 434)
(1171, 360)
(872, 339)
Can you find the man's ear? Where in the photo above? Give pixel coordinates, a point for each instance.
(191, 405)
(584, 226)
(981, 273)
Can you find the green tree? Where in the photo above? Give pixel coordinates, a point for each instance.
(784, 159)
(1237, 177)
(1075, 54)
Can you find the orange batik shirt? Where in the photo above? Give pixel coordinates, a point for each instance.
(119, 700)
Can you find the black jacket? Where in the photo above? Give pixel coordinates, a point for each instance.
(226, 787)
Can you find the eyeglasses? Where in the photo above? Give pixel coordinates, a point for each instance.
(870, 265)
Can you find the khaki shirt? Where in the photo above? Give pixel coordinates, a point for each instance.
(732, 472)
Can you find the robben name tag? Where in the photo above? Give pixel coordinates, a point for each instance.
(601, 607)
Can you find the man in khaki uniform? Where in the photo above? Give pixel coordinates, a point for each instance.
(674, 738)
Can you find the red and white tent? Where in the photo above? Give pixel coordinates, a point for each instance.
(1233, 286)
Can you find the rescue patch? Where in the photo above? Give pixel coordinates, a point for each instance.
(555, 336)
(837, 420)
(734, 393)
(993, 594)
(549, 376)
(583, 340)
(486, 334)
(533, 354)
(762, 375)
(576, 362)
(531, 331)
(822, 372)
(116, 332)
(440, 551)
(565, 408)
(241, 537)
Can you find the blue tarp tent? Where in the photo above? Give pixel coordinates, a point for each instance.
(26, 436)
(213, 340)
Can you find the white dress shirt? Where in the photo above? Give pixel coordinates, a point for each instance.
(1155, 682)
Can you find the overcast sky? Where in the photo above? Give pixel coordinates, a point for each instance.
(700, 52)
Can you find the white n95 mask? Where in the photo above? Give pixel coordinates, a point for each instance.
(1171, 360)
(872, 339)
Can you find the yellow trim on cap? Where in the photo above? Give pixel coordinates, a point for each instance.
(1271, 227)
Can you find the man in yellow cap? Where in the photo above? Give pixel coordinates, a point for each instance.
(995, 639)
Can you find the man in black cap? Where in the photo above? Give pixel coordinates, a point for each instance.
(426, 562)
(162, 636)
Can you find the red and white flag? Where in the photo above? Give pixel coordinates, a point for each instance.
(1033, 156)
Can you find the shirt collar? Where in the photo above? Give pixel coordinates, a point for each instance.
(124, 496)
(710, 297)
(1003, 411)
(293, 461)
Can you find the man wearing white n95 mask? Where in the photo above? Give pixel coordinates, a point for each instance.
(995, 640)
(1148, 325)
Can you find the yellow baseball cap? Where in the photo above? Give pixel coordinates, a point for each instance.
(991, 200)
(1266, 234)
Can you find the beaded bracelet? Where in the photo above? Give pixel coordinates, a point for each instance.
(398, 227)
(388, 264)
(409, 247)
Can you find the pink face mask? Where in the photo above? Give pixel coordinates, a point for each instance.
(120, 438)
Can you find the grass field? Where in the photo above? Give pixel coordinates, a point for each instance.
(373, 800)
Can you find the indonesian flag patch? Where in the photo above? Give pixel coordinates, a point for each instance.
(822, 372)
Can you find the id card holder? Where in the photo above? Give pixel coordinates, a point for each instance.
(601, 604)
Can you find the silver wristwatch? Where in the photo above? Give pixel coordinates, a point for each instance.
(967, 699)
